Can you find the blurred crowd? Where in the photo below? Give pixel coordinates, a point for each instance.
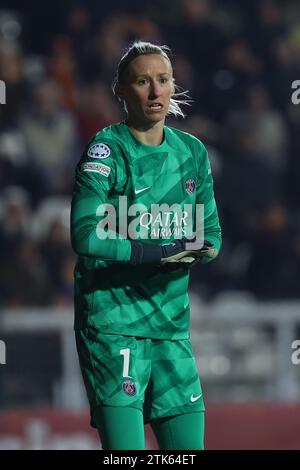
(238, 60)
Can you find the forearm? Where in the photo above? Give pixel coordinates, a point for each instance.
(89, 238)
(211, 229)
(212, 233)
(86, 242)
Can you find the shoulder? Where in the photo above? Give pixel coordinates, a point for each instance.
(197, 149)
(105, 143)
(105, 147)
(103, 155)
(195, 145)
(98, 158)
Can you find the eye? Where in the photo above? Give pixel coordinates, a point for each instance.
(163, 80)
(142, 81)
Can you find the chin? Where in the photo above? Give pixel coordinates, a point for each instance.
(156, 118)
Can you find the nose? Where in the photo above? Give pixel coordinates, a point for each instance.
(154, 91)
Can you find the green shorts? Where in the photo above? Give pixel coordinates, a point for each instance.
(159, 377)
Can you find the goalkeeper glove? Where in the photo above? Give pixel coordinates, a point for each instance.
(193, 253)
(183, 252)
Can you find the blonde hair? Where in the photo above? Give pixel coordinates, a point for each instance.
(146, 48)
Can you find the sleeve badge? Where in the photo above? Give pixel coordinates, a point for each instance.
(93, 167)
(99, 151)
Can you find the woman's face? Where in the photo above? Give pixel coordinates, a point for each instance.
(147, 89)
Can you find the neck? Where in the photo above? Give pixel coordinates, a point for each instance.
(151, 134)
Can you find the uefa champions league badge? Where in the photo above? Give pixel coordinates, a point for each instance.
(190, 186)
(99, 151)
(129, 387)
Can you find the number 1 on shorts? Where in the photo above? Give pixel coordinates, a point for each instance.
(126, 354)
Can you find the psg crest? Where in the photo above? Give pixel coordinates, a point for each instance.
(129, 387)
(190, 186)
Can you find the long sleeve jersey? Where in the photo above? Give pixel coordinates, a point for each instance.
(126, 190)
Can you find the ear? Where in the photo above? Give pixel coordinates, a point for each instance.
(119, 90)
(173, 86)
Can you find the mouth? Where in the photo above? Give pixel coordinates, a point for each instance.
(155, 107)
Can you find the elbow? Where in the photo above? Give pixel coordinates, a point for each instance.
(80, 239)
(79, 246)
(212, 257)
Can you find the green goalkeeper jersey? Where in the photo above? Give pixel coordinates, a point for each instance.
(119, 181)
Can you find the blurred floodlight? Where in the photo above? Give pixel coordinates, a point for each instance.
(10, 25)
(224, 79)
(220, 365)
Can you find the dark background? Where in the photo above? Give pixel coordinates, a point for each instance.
(238, 59)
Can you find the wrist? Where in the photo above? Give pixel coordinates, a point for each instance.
(145, 253)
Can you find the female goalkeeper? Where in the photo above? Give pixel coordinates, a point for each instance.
(138, 187)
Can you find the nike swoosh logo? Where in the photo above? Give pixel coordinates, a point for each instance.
(195, 398)
(138, 191)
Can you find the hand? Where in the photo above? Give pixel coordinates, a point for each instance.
(188, 252)
(185, 254)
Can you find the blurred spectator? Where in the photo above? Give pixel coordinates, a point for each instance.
(238, 62)
(51, 137)
(50, 230)
(97, 109)
(274, 267)
(63, 69)
(12, 157)
(65, 289)
(12, 73)
(15, 168)
(15, 217)
(110, 39)
(198, 37)
(247, 188)
(78, 29)
(184, 74)
(239, 69)
(23, 277)
(283, 71)
(104, 52)
(55, 249)
(270, 130)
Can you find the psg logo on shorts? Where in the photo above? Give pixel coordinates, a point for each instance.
(129, 387)
(190, 186)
